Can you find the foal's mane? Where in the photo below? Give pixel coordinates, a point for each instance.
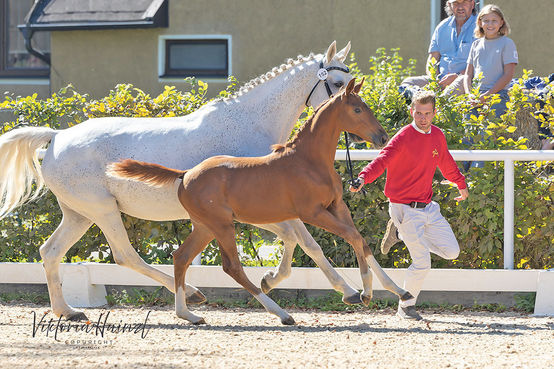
(304, 130)
(276, 71)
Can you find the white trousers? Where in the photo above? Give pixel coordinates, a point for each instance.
(423, 231)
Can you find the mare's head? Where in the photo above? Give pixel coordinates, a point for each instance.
(356, 118)
(337, 78)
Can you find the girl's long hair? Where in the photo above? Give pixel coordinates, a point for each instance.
(488, 9)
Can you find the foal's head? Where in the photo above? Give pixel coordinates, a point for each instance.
(357, 118)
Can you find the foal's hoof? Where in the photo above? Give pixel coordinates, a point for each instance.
(78, 316)
(366, 299)
(200, 321)
(352, 300)
(196, 298)
(288, 321)
(406, 296)
(264, 285)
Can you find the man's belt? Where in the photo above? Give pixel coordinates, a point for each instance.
(417, 205)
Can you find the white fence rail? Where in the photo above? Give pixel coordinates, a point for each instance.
(83, 284)
(508, 156)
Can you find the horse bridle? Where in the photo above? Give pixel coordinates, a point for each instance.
(322, 75)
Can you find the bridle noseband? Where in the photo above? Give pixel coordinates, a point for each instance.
(322, 75)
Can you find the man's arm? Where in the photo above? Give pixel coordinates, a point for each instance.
(374, 169)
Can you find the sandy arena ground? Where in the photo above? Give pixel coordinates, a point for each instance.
(250, 338)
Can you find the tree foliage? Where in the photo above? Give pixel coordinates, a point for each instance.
(477, 222)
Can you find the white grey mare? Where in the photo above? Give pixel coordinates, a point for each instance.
(261, 114)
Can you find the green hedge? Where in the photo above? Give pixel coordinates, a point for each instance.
(477, 222)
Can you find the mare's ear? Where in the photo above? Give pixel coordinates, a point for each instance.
(358, 87)
(341, 55)
(350, 86)
(331, 51)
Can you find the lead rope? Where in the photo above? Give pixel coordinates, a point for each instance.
(354, 182)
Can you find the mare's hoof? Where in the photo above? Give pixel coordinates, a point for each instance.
(196, 298)
(77, 317)
(406, 296)
(265, 286)
(366, 299)
(288, 321)
(200, 321)
(352, 300)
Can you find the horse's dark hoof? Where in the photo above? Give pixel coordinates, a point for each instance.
(77, 317)
(199, 322)
(196, 298)
(288, 321)
(406, 296)
(366, 299)
(265, 286)
(352, 300)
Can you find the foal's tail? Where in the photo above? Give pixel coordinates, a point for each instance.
(153, 175)
(19, 166)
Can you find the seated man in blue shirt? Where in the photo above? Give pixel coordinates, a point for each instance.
(450, 47)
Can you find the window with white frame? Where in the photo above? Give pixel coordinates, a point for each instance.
(15, 60)
(201, 57)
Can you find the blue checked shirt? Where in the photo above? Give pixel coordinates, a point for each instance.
(453, 48)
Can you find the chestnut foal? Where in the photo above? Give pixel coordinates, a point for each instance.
(297, 180)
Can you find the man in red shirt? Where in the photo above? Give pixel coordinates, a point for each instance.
(411, 158)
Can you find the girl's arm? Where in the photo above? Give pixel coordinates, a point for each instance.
(468, 78)
(503, 81)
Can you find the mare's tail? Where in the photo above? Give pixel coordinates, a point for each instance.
(153, 175)
(20, 166)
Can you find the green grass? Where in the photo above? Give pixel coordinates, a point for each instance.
(140, 297)
(330, 302)
(33, 297)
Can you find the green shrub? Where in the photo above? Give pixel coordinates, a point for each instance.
(477, 222)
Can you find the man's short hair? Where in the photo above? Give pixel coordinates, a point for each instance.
(423, 97)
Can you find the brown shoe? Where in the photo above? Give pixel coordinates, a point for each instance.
(391, 237)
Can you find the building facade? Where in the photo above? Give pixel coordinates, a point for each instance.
(212, 39)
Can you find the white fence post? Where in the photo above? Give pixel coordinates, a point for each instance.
(508, 214)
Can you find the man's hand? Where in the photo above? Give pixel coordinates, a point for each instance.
(357, 185)
(447, 79)
(464, 193)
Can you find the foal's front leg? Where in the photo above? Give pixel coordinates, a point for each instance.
(336, 219)
(341, 211)
(294, 232)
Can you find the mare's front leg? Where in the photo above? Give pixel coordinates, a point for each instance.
(294, 232)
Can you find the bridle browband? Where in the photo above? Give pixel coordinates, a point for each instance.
(322, 75)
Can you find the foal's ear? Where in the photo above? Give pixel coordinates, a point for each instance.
(350, 86)
(358, 87)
